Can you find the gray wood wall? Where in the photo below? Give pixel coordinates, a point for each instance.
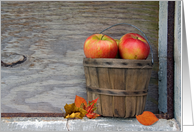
(51, 36)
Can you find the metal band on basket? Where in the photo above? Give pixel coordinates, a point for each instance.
(115, 92)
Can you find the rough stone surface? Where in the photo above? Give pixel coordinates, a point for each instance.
(98, 124)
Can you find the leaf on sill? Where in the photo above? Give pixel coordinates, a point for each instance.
(79, 100)
(147, 118)
(74, 115)
(92, 115)
(91, 108)
(74, 112)
(80, 108)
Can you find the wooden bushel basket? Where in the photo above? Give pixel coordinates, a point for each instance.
(120, 84)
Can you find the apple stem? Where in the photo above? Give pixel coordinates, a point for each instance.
(102, 36)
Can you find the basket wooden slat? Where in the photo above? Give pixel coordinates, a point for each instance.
(106, 100)
(130, 101)
(118, 76)
(117, 79)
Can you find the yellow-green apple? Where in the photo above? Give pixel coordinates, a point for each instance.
(133, 46)
(100, 46)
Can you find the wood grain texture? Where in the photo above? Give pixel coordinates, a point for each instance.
(117, 80)
(51, 36)
(104, 82)
(94, 81)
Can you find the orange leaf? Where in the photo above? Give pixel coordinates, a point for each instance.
(79, 100)
(90, 108)
(147, 118)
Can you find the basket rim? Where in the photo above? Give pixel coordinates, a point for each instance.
(117, 59)
(117, 63)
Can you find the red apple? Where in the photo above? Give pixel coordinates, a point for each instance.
(133, 46)
(100, 46)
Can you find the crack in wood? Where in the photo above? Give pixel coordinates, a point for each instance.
(67, 126)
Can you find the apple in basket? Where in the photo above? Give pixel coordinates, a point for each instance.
(100, 46)
(133, 46)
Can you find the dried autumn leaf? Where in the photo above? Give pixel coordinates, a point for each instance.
(92, 115)
(79, 100)
(74, 115)
(71, 108)
(91, 108)
(147, 118)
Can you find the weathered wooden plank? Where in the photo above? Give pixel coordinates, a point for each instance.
(141, 83)
(117, 63)
(117, 81)
(146, 87)
(51, 34)
(106, 100)
(130, 85)
(94, 81)
(88, 82)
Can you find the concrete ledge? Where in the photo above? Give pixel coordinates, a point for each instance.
(98, 124)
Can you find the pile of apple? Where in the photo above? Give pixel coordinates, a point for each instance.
(130, 46)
